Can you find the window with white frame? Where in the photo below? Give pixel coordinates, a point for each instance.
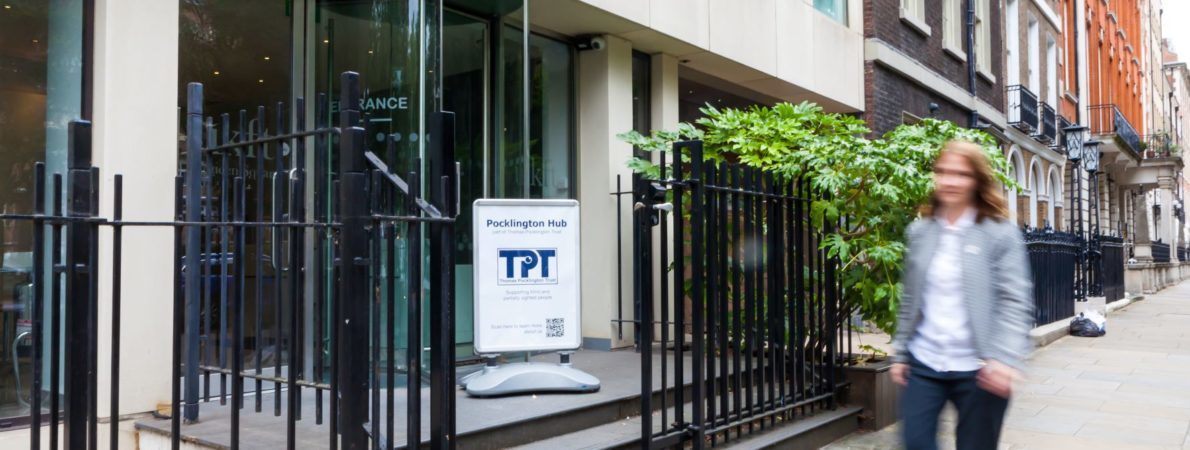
(913, 12)
(835, 9)
(1051, 70)
(983, 37)
(952, 27)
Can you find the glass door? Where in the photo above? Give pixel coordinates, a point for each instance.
(41, 91)
(465, 80)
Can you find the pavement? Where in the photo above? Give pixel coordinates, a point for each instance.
(1129, 389)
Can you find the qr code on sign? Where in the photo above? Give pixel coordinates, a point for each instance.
(555, 327)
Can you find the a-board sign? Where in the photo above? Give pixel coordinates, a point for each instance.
(526, 271)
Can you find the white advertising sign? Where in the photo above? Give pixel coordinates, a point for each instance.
(526, 275)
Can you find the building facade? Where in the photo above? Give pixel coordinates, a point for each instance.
(539, 90)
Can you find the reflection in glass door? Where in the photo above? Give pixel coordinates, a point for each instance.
(464, 84)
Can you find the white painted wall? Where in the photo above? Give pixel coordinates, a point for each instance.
(782, 48)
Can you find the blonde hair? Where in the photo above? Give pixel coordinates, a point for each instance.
(989, 202)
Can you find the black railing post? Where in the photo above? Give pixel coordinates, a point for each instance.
(642, 299)
(79, 372)
(697, 391)
(353, 268)
(442, 314)
(39, 191)
(191, 266)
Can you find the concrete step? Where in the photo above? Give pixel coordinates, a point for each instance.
(810, 432)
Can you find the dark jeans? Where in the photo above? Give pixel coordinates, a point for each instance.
(981, 413)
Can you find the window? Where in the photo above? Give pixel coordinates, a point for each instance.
(835, 9)
(952, 28)
(641, 90)
(983, 38)
(913, 13)
(1034, 62)
(1051, 71)
(41, 91)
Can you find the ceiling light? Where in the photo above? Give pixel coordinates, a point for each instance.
(261, 81)
(7, 6)
(266, 58)
(216, 72)
(326, 41)
(369, 52)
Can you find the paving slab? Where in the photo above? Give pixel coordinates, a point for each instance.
(1129, 389)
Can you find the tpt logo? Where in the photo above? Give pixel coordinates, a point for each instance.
(527, 266)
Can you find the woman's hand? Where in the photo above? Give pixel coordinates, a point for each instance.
(997, 378)
(900, 373)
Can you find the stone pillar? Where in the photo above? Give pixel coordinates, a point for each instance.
(1022, 208)
(136, 134)
(1140, 228)
(1043, 214)
(605, 104)
(663, 106)
(1166, 232)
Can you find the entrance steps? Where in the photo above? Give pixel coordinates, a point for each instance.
(605, 419)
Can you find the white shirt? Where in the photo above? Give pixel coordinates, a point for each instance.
(943, 341)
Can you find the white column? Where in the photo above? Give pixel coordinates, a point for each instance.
(136, 94)
(605, 106)
(1168, 224)
(663, 115)
(663, 100)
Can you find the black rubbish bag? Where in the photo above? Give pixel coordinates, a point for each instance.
(1084, 327)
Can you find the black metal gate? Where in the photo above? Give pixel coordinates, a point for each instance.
(331, 275)
(1054, 259)
(1108, 277)
(741, 273)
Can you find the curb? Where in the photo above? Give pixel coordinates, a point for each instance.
(1047, 334)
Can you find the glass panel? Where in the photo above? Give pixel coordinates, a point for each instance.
(550, 113)
(835, 9)
(550, 151)
(392, 44)
(641, 119)
(465, 82)
(41, 69)
(509, 160)
(241, 53)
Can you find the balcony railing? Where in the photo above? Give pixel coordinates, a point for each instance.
(1049, 125)
(1022, 109)
(1160, 252)
(1108, 120)
(1158, 146)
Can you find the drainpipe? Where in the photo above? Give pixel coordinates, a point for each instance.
(971, 61)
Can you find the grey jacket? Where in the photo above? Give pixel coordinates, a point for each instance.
(997, 288)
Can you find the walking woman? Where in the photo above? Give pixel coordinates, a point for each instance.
(966, 308)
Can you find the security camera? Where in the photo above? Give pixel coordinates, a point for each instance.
(596, 43)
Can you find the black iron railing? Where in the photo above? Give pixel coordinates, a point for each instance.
(1106, 263)
(241, 276)
(1023, 109)
(1107, 120)
(747, 282)
(1158, 146)
(1160, 251)
(1053, 259)
(1049, 125)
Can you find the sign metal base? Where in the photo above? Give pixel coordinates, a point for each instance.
(530, 377)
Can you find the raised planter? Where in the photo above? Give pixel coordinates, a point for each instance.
(872, 388)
